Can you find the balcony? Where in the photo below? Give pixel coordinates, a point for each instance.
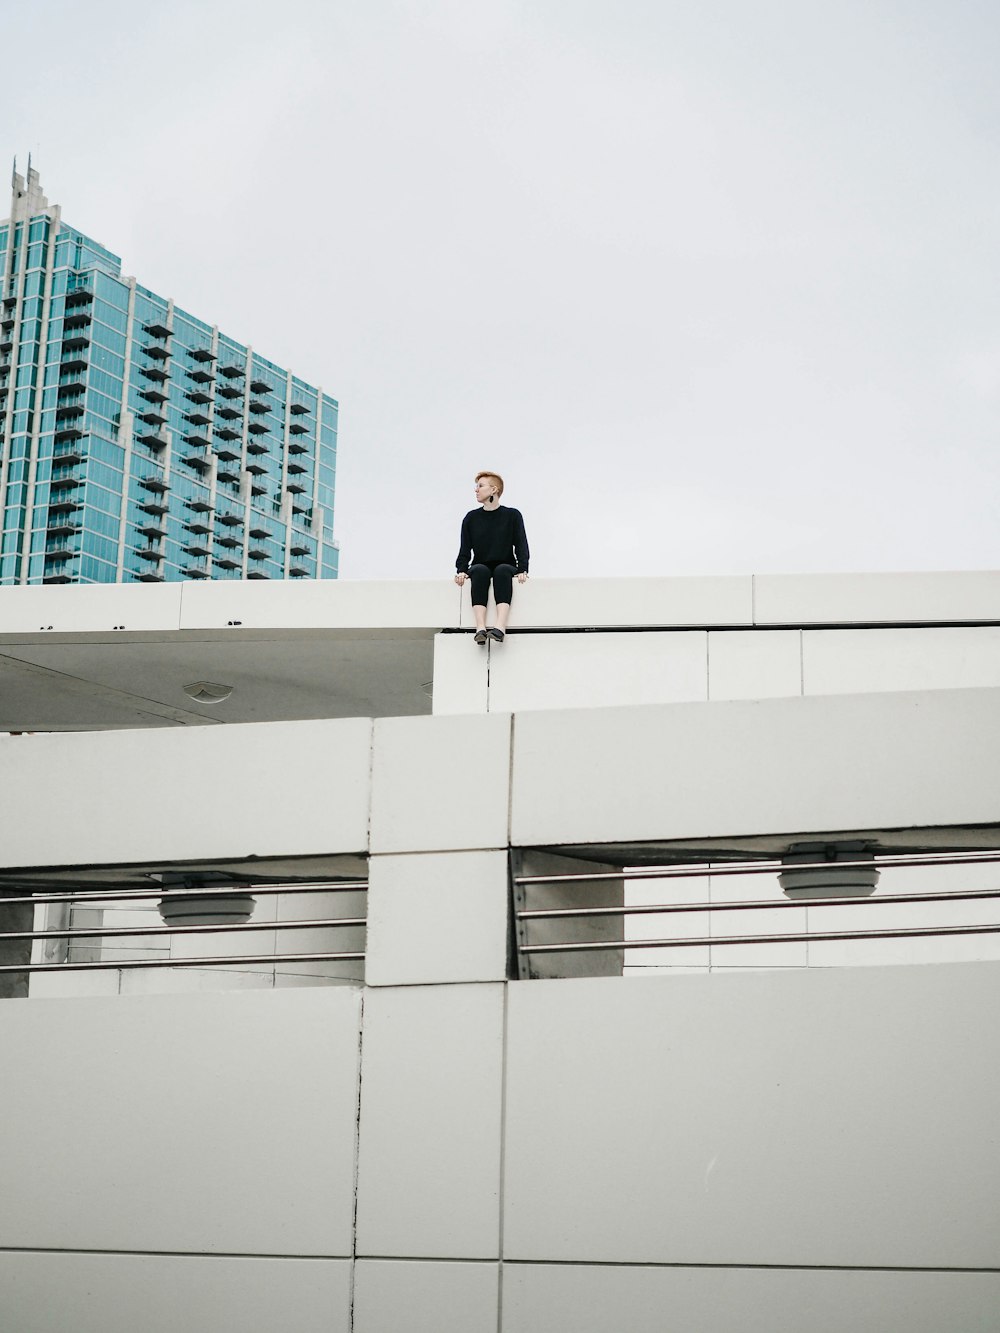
(296, 487)
(228, 562)
(77, 320)
(69, 407)
(151, 553)
(227, 433)
(152, 439)
(257, 531)
(229, 391)
(69, 454)
(198, 504)
(155, 482)
(227, 453)
(75, 361)
(78, 296)
(296, 468)
(150, 578)
(257, 574)
(76, 342)
(70, 432)
(199, 526)
(153, 395)
(199, 394)
(153, 531)
(71, 386)
(228, 539)
(258, 428)
(228, 476)
(298, 547)
(60, 555)
(63, 528)
(297, 446)
(229, 518)
(153, 418)
(157, 373)
(197, 461)
(155, 505)
(155, 351)
(57, 578)
(202, 354)
(259, 408)
(298, 572)
(257, 446)
(257, 469)
(196, 571)
(158, 327)
(197, 418)
(63, 503)
(232, 371)
(298, 409)
(229, 413)
(258, 385)
(200, 375)
(296, 428)
(196, 439)
(197, 548)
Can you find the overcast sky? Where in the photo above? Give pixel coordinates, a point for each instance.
(713, 283)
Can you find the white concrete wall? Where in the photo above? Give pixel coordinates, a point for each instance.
(608, 668)
(785, 1150)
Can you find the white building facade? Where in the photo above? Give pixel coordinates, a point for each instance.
(771, 1107)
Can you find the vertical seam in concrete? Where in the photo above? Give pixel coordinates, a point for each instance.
(510, 781)
(357, 1163)
(503, 1156)
(753, 599)
(708, 665)
(802, 663)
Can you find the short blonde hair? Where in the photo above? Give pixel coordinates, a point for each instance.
(496, 479)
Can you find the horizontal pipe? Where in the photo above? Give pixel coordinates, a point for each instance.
(140, 895)
(270, 959)
(547, 913)
(768, 868)
(819, 937)
(95, 932)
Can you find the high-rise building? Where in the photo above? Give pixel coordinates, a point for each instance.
(137, 441)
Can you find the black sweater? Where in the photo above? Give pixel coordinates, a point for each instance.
(497, 538)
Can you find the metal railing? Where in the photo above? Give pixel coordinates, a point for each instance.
(527, 887)
(102, 897)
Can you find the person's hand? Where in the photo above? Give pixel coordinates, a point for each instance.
(522, 578)
(460, 579)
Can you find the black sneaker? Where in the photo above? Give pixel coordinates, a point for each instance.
(496, 635)
(480, 637)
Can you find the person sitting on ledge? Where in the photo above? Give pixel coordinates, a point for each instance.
(494, 546)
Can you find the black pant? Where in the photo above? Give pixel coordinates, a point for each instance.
(503, 582)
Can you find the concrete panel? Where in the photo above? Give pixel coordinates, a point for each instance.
(754, 665)
(538, 1298)
(779, 765)
(119, 1293)
(321, 603)
(425, 1297)
(437, 918)
(92, 608)
(597, 670)
(581, 603)
(216, 1123)
(429, 1160)
(281, 788)
(798, 1117)
(816, 599)
(865, 661)
(461, 674)
(440, 783)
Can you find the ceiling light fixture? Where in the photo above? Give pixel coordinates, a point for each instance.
(207, 691)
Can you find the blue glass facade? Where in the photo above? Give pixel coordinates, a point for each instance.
(137, 441)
